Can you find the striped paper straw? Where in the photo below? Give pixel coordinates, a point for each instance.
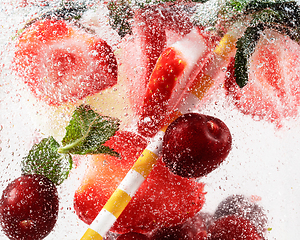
(144, 164)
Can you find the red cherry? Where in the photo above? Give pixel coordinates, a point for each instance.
(184, 231)
(29, 208)
(232, 227)
(195, 144)
(242, 206)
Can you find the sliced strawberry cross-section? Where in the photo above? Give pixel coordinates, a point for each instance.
(272, 92)
(61, 63)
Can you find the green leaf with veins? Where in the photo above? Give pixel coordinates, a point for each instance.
(85, 134)
(87, 131)
(245, 47)
(44, 159)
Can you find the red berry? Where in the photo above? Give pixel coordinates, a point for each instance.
(29, 208)
(241, 206)
(197, 225)
(61, 63)
(232, 227)
(132, 236)
(195, 144)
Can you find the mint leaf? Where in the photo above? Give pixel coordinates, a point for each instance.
(282, 17)
(68, 10)
(87, 131)
(44, 159)
(245, 47)
(237, 5)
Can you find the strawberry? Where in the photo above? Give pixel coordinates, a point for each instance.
(272, 92)
(152, 23)
(169, 68)
(154, 29)
(232, 227)
(162, 200)
(61, 63)
(152, 36)
(175, 68)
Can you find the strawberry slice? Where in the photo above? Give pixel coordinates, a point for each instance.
(151, 25)
(152, 37)
(61, 63)
(175, 68)
(162, 200)
(272, 92)
(169, 68)
(155, 28)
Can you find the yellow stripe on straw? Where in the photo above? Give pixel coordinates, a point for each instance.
(127, 188)
(91, 234)
(145, 163)
(205, 79)
(117, 202)
(226, 45)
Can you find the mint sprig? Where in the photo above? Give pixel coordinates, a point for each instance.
(86, 133)
(283, 17)
(44, 159)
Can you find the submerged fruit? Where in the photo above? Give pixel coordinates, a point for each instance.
(195, 144)
(61, 63)
(242, 206)
(29, 208)
(232, 227)
(272, 92)
(132, 236)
